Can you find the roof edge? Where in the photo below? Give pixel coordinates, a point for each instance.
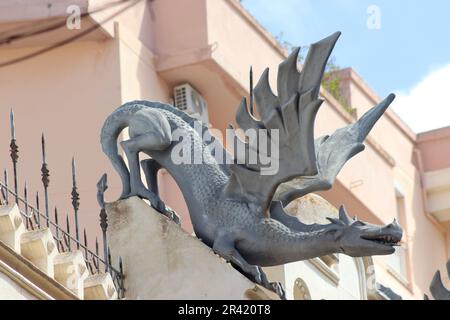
(351, 74)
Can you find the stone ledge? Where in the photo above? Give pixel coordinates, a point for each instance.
(31, 259)
(162, 261)
(30, 277)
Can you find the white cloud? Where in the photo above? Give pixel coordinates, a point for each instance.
(426, 107)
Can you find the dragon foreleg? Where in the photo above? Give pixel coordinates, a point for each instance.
(151, 168)
(149, 131)
(224, 245)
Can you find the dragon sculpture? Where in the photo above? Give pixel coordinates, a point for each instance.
(235, 208)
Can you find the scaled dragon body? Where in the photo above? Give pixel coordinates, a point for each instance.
(234, 208)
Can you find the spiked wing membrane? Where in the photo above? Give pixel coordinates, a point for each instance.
(332, 152)
(291, 115)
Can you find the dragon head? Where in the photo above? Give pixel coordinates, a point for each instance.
(355, 236)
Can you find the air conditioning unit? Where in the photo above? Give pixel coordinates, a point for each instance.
(187, 99)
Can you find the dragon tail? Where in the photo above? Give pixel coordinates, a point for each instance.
(111, 130)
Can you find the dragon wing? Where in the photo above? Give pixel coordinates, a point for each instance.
(289, 122)
(437, 287)
(332, 152)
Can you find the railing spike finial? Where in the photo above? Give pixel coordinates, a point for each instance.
(67, 237)
(121, 276)
(14, 153)
(85, 243)
(25, 195)
(37, 216)
(45, 178)
(74, 180)
(108, 260)
(75, 201)
(44, 155)
(56, 218)
(58, 240)
(251, 90)
(13, 128)
(3, 201)
(5, 177)
(97, 254)
(102, 185)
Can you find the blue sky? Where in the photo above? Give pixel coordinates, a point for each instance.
(406, 50)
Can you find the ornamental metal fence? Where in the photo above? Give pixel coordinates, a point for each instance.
(67, 234)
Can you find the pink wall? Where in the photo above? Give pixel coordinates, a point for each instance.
(181, 30)
(66, 93)
(434, 147)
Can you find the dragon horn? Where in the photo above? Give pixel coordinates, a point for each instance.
(395, 223)
(344, 217)
(368, 120)
(335, 221)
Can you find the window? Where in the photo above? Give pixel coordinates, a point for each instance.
(328, 266)
(397, 261)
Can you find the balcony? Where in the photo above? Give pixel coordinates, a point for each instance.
(437, 185)
(212, 44)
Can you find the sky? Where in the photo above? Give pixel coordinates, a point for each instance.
(399, 46)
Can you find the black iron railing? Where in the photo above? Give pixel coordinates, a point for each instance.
(34, 218)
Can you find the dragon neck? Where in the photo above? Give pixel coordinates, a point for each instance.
(299, 246)
(316, 244)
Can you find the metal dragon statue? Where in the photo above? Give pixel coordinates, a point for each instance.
(234, 208)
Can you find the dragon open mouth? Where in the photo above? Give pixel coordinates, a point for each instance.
(388, 240)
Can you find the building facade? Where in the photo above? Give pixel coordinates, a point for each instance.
(152, 47)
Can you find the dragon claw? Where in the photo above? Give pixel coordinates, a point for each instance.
(257, 274)
(169, 213)
(155, 201)
(264, 280)
(261, 279)
(277, 287)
